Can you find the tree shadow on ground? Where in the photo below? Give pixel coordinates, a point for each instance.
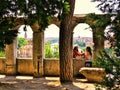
(56, 85)
(43, 83)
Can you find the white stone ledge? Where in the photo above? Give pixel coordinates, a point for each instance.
(93, 74)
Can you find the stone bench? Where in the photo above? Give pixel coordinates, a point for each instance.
(93, 74)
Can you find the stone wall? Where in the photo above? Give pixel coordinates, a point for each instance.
(2, 65)
(25, 66)
(77, 64)
(51, 66)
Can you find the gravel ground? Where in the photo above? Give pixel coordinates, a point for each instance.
(43, 83)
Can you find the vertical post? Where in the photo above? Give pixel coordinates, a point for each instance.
(38, 53)
(98, 40)
(11, 53)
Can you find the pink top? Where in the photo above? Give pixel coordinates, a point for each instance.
(88, 56)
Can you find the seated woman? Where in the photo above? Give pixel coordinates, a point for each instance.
(88, 54)
(88, 57)
(76, 52)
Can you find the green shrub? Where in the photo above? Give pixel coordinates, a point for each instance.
(51, 52)
(2, 54)
(22, 42)
(112, 68)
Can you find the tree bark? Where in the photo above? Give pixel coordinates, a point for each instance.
(65, 48)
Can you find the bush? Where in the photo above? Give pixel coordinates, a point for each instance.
(51, 52)
(22, 42)
(2, 54)
(112, 68)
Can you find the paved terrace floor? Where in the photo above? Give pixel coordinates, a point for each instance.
(43, 83)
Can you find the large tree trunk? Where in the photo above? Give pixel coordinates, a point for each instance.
(65, 48)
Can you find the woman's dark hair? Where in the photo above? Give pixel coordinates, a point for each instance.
(89, 50)
(75, 48)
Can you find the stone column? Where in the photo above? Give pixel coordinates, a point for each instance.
(38, 53)
(11, 53)
(98, 40)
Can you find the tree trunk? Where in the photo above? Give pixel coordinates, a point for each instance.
(98, 39)
(65, 48)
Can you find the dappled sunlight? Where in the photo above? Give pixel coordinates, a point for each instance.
(52, 78)
(52, 83)
(24, 77)
(2, 76)
(10, 82)
(81, 80)
(81, 84)
(44, 83)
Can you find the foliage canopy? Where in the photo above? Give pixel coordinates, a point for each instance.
(111, 63)
(39, 10)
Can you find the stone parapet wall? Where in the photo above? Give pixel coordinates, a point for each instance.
(77, 64)
(25, 66)
(51, 66)
(2, 65)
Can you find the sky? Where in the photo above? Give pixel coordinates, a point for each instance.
(22, 33)
(82, 30)
(81, 7)
(85, 7)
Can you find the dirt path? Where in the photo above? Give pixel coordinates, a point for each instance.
(43, 83)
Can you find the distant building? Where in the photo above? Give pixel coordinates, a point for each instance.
(26, 50)
(87, 40)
